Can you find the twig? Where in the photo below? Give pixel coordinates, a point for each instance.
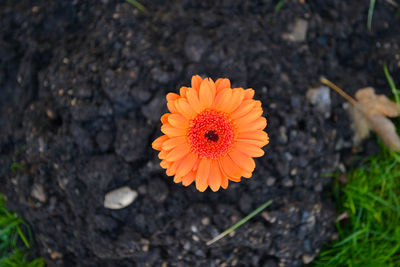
(339, 91)
(239, 223)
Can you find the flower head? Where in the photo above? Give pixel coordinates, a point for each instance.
(211, 134)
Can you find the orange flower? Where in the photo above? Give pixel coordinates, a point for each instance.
(212, 134)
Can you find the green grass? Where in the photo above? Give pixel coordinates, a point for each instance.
(371, 198)
(370, 236)
(370, 14)
(14, 243)
(279, 5)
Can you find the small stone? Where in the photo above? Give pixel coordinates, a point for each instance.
(298, 32)
(320, 97)
(39, 193)
(308, 258)
(195, 46)
(205, 221)
(55, 255)
(287, 182)
(120, 198)
(268, 217)
(158, 190)
(271, 181)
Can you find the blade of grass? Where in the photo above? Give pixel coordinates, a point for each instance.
(370, 14)
(395, 91)
(279, 5)
(240, 223)
(137, 4)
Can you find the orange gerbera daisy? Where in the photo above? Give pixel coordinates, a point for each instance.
(212, 134)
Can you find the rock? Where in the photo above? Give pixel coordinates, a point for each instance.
(39, 193)
(158, 190)
(320, 98)
(155, 108)
(104, 140)
(287, 182)
(307, 258)
(195, 46)
(131, 141)
(245, 203)
(298, 32)
(271, 181)
(119, 198)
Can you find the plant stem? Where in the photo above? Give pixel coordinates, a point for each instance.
(339, 91)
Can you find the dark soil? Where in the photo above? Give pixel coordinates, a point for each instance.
(83, 86)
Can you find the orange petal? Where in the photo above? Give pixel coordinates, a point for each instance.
(186, 164)
(260, 136)
(258, 124)
(214, 179)
(178, 152)
(172, 96)
(248, 93)
(171, 106)
(224, 180)
(193, 100)
(249, 150)
(222, 99)
(236, 100)
(202, 174)
(188, 178)
(178, 121)
(184, 108)
(174, 142)
(207, 93)
(229, 168)
(249, 118)
(177, 179)
(222, 83)
(256, 135)
(244, 161)
(164, 118)
(165, 164)
(172, 170)
(196, 81)
(183, 91)
(245, 107)
(163, 154)
(157, 144)
(172, 131)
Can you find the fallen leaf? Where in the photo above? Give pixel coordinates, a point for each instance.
(370, 112)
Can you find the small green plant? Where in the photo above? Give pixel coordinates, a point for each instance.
(14, 244)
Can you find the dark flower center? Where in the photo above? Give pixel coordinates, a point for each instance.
(212, 136)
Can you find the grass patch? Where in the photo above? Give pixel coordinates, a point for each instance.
(15, 240)
(371, 236)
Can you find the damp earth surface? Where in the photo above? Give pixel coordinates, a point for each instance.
(82, 89)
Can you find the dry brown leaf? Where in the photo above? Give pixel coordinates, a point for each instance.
(370, 112)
